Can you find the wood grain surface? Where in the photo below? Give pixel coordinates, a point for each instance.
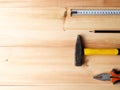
(61, 87)
(37, 53)
(58, 3)
(32, 18)
(47, 57)
(92, 22)
(54, 18)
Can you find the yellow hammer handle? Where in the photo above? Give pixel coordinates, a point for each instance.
(89, 51)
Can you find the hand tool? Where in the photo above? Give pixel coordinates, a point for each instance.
(80, 51)
(113, 76)
(106, 31)
(95, 12)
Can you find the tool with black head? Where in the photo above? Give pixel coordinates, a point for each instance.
(80, 51)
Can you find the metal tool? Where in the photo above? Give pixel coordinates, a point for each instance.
(106, 31)
(95, 12)
(113, 76)
(80, 51)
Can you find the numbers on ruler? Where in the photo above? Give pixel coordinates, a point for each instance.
(95, 12)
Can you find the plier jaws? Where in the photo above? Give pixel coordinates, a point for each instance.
(103, 77)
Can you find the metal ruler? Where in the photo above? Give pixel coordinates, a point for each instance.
(95, 12)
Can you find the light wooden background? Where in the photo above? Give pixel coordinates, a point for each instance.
(37, 53)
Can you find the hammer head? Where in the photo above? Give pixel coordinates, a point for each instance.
(79, 51)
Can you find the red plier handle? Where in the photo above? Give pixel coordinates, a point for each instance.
(115, 76)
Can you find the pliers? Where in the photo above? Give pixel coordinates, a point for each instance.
(113, 76)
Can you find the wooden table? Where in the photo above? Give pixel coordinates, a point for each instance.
(37, 53)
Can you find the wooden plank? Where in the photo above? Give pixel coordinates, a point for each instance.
(89, 3)
(47, 58)
(57, 3)
(92, 22)
(32, 18)
(52, 19)
(14, 38)
(61, 87)
(50, 66)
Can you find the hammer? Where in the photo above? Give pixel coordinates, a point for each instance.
(80, 51)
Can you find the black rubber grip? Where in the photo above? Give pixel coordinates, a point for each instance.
(116, 71)
(118, 81)
(107, 31)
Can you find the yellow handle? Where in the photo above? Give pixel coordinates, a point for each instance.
(88, 51)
